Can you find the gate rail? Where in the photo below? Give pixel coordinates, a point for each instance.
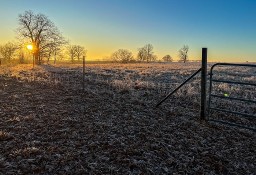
(230, 98)
(206, 106)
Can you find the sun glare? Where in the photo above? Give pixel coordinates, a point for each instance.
(30, 47)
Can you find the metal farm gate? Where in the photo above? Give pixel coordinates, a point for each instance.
(232, 98)
(246, 94)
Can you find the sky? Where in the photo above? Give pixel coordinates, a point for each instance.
(226, 27)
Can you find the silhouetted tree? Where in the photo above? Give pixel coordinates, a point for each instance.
(80, 51)
(167, 58)
(53, 48)
(21, 56)
(72, 52)
(76, 52)
(39, 30)
(146, 53)
(183, 53)
(7, 51)
(122, 55)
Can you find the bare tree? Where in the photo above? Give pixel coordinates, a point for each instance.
(183, 53)
(51, 52)
(39, 30)
(146, 53)
(72, 52)
(167, 58)
(21, 56)
(122, 55)
(56, 51)
(141, 56)
(52, 49)
(7, 51)
(80, 51)
(76, 52)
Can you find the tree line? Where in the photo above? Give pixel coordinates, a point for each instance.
(48, 43)
(146, 54)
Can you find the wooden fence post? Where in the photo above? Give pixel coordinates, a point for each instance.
(203, 84)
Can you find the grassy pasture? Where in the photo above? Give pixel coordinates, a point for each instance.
(48, 125)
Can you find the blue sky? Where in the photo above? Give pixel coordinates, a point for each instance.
(226, 27)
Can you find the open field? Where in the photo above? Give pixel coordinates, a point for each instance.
(48, 125)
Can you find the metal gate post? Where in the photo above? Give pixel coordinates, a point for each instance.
(83, 71)
(203, 84)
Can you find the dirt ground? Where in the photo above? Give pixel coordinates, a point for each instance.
(49, 125)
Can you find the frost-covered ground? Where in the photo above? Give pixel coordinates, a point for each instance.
(48, 125)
